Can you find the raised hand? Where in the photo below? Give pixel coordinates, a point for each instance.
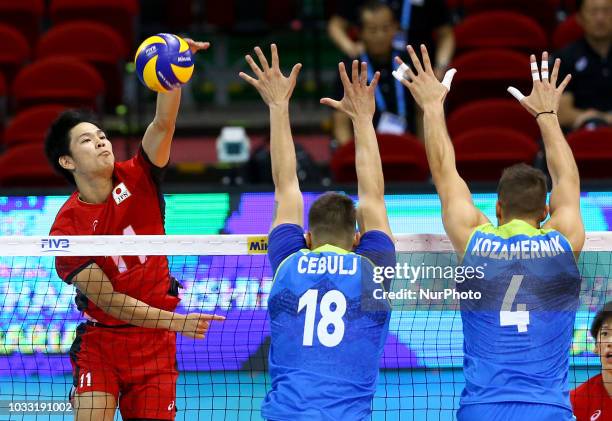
(274, 88)
(545, 94)
(195, 325)
(358, 97)
(196, 46)
(424, 86)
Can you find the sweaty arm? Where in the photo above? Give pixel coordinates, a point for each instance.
(459, 215)
(158, 136)
(358, 104)
(276, 90)
(370, 182)
(543, 103)
(565, 214)
(96, 286)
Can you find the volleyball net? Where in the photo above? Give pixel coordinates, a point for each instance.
(224, 376)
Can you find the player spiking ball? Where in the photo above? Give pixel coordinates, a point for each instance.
(127, 347)
(327, 331)
(517, 338)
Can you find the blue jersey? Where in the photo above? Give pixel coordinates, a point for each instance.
(517, 336)
(327, 330)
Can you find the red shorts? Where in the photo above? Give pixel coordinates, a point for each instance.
(134, 364)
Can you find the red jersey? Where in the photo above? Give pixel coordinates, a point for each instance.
(591, 401)
(135, 206)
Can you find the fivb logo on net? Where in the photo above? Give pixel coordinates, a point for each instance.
(55, 244)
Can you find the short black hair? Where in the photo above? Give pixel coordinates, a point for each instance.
(373, 6)
(57, 142)
(332, 218)
(601, 317)
(521, 191)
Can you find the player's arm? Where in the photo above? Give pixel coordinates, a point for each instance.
(96, 286)
(459, 214)
(543, 104)
(158, 136)
(276, 89)
(359, 105)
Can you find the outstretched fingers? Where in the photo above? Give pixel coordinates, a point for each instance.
(363, 76)
(555, 73)
(275, 60)
(426, 59)
(295, 72)
(535, 72)
(251, 81)
(375, 79)
(415, 60)
(254, 67)
(262, 59)
(544, 66)
(355, 72)
(346, 82)
(330, 103)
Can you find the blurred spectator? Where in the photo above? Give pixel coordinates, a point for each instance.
(420, 22)
(394, 106)
(588, 98)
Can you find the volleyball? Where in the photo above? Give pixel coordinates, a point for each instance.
(164, 62)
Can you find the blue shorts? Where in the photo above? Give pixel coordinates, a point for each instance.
(514, 411)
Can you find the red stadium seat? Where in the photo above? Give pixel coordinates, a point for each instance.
(23, 15)
(14, 51)
(3, 94)
(62, 80)
(96, 43)
(482, 154)
(221, 15)
(593, 152)
(486, 74)
(500, 113)
(31, 125)
(118, 14)
(280, 12)
(567, 32)
(403, 159)
(500, 29)
(27, 166)
(543, 11)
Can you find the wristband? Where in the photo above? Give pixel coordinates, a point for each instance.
(544, 112)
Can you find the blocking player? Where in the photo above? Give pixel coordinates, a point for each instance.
(126, 351)
(327, 332)
(592, 400)
(517, 337)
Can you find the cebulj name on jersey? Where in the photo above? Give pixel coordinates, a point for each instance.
(335, 264)
(518, 249)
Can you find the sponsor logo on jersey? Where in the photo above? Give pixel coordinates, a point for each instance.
(55, 244)
(257, 244)
(171, 406)
(120, 193)
(596, 415)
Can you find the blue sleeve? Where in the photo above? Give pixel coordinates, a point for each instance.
(283, 241)
(378, 247)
